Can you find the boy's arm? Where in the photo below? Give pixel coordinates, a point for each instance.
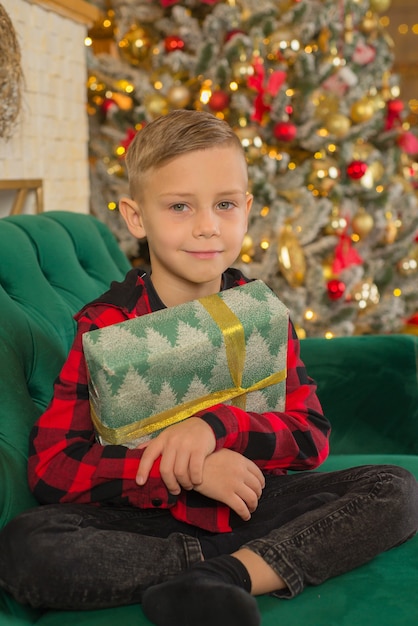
(65, 462)
(295, 439)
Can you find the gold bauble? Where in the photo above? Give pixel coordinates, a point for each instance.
(380, 6)
(338, 124)
(369, 23)
(156, 105)
(324, 175)
(362, 223)
(179, 96)
(362, 110)
(135, 46)
(292, 262)
(373, 174)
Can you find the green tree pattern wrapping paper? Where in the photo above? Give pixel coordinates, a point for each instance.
(152, 371)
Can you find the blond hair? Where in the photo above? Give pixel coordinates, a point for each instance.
(171, 135)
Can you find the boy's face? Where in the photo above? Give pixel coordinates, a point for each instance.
(194, 212)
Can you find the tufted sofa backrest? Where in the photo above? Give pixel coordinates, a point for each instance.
(50, 266)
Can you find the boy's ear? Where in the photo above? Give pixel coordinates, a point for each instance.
(131, 213)
(249, 201)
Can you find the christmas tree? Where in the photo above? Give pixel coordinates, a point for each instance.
(308, 88)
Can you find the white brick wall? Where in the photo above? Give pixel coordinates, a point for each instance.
(51, 139)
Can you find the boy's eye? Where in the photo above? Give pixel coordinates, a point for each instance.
(178, 207)
(225, 204)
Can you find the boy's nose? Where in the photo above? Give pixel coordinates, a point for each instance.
(206, 224)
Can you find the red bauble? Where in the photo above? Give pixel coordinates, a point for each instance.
(172, 43)
(408, 142)
(285, 131)
(395, 106)
(356, 169)
(413, 320)
(336, 289)
(218, 101)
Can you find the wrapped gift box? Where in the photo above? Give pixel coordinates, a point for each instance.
(152, 371)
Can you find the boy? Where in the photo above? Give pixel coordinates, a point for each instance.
(203, 518)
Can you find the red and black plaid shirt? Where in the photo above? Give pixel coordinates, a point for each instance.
(66, 463)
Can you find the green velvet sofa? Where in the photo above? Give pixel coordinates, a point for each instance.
(50, 265)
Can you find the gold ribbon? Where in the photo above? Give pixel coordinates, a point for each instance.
(178, 413)
(234, 340)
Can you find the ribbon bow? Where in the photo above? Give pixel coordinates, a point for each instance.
(266, 89)
(345, 255)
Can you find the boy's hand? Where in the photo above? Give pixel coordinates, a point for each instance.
(231, 478)
(183, 448)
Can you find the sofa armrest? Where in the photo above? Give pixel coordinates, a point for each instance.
(50, 266)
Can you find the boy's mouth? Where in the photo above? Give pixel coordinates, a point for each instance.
(204, 254)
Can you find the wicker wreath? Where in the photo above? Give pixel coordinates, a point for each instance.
(11, 75)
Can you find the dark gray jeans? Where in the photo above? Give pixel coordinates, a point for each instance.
(69, 556)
